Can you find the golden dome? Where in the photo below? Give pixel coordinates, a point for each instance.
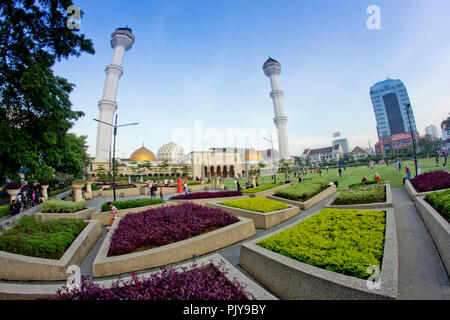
(142, 154)
(253, 155)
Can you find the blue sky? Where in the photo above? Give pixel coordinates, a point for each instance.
(199, 62)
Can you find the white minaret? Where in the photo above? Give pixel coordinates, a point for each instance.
(121, 40)
(272, 69)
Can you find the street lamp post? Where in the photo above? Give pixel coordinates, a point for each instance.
(408, 106)
(273, 159)
(115, 126)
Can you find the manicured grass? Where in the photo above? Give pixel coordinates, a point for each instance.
(127, 204)
(258, 204)
(61, 206)
(4, 210)
(302, 191)
(353, 175)
(262, 187)
(343, 241)
(361, 195)
(47, 240)
(441, 202)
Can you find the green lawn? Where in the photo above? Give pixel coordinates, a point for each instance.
(354, 174)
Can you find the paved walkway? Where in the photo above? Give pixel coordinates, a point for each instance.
(422, 274)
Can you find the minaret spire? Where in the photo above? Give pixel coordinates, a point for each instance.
(272, 69)
(121, 40)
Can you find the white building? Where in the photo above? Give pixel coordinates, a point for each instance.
(343, 142)
(431, 131)
(324, 154)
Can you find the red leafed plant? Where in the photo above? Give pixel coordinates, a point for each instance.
(160, 226)
(197, 283)
(430, 181)
(206, 195)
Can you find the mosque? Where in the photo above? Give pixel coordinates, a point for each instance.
(170, 159)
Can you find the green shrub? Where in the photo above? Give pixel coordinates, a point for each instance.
(262, 188)
(47, 240)
(56, 192)
(345, 241)
(258, 204)
(441, 202)
(94, 187)
(127, 204)
(302, 191)
(365, 183)
(61, 206)
(4, 210)
(361, 195)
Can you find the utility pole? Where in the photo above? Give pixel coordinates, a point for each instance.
(408, 106)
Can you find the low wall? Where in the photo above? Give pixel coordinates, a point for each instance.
(174, 252)
(413, 193)
(21, 291)
(128, 192)
(261, 220)
(204, 202)
(83, 214)
(310, 202)
(438, 228)
(294, 280)
(380, 205)
(19, 267)
(104, 218)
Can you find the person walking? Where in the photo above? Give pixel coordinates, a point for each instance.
(340, 173)
(160, 193)
(238, 186)
(408, 174)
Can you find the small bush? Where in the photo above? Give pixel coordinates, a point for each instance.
(302, 191)
(258, 204)
(263, 187)
(441, 202)
(47, 240)
(61, 206)
(361, 195)
(345, 241)
(127, 204)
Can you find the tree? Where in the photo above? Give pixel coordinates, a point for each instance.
(35, 110)
(445, 125)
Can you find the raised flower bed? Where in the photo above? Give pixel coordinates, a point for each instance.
(205, 197)
(305, 194)
(371, 196)
(59, 209)
(35, 250)
(264, 212)
(434, 209)
(327, 255)
(165, 235)
(427, 182)
(122, 190)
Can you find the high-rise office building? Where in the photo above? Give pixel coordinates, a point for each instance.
(431, 131)
(389, 99)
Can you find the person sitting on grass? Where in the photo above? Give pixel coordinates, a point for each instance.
(376, 177)
(114, 215)
(363, 179)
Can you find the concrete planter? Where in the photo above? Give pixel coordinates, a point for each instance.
(413, 193)
(104, 218)
(438, 228)
(380, 205)
(261, 220)
(171, 253)
(47, 291)
(12, 194)
(19, 267)
(310, 202)
(205, 201)
(294, 280)
(83, 214)
(268, 192)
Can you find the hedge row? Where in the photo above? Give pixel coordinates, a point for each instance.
(302, 191)
(361, 195)
(258, 204)
(4, 210)
(263, 187)
(441, 202)
(343, 241)
(127, 204)
(47, 240)
(61, 206)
